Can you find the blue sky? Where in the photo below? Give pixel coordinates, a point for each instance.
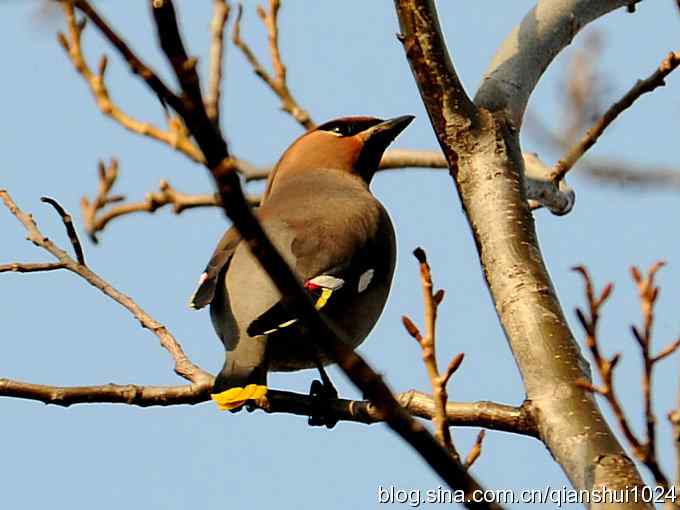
(342, 59)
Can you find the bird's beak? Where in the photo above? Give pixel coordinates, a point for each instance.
(381, 135)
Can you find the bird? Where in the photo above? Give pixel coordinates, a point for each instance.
(338, 239)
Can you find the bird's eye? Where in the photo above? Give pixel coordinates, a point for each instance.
(341, 130)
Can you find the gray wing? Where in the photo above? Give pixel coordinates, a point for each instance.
(219, 261)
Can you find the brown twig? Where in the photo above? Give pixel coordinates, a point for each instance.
(427, 342)
(219, 20)
(656, 79)
(183, 365)
(277, 83)
(648, 294)
(96, 218)
(176, 136)
(476, 450)
(70, 230)
(19, 267)
(645, 451)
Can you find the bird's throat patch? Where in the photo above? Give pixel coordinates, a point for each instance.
(234, 398)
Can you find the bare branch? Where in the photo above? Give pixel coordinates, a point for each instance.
(278, 83)
(483, 151)
(605, 367)
(219, 20)
(649, 84)
(476, 450)
(19, 267)
(648, 293)
(428, 346)
(70, 230)
(131, 394)
(473, 414)
(183, 365)
(529, 49)
(176, 135)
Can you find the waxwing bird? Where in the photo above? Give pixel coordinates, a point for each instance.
(319, 213)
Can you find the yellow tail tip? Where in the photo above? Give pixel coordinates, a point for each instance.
(236, 397)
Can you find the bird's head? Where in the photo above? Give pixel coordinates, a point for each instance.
(350, 144)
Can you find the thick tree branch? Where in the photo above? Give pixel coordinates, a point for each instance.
(490, 415)
(490, 182)
(183, 365)
(531, 46)
(649, 84)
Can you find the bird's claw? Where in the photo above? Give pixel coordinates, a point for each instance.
(320, 394)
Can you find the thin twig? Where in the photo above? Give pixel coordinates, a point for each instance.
(176, 135)
(656, 79)
(278, 83)
(645, 451)
(648, 294)
(183, 365)
(70, 230)
(476, 450)
(20, 267)
(427, 343)
(219, 20)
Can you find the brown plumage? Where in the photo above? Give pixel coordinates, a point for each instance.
(319, 213)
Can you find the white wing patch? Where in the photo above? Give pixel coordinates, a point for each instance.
(365, 280)
(327, 282)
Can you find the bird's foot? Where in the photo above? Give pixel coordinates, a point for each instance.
(320, 394)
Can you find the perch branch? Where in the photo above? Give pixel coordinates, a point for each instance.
(494, 416)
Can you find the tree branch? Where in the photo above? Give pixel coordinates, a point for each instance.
(70, 230)
(490, 182)
(645, 451)
(278, 83)
(649, 84)
(219, 20)
(427, 342)
(176, 135)
(19, 267)
(529, 49)
(183, 365)
(472, 414)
